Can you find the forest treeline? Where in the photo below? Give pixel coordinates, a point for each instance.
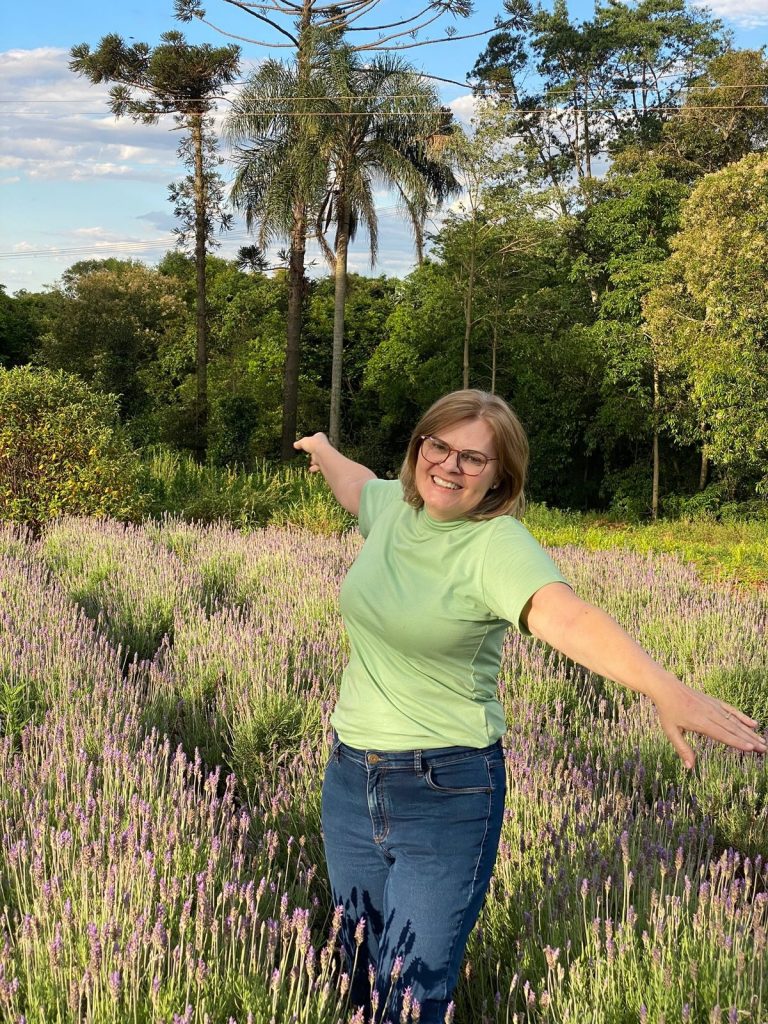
(600, 261)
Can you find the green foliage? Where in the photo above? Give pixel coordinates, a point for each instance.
(276, 726)
(176, 485)
(581, 70)
(725, 116)
(19, 329)
(317, 511)
(112, 323)
(730, 550)
(709, 317)
(62, 450)
(19, 704)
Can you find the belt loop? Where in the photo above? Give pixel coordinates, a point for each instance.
(417, 762)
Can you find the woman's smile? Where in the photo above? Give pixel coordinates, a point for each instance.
(447, 491)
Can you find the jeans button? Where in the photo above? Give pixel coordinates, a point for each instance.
(373, 758)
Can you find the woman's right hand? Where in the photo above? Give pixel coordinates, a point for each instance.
(311, 444)
(345, 477)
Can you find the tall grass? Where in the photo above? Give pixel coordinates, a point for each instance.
(178, 486)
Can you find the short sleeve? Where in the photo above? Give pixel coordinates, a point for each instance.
(375, 497)
(515, 567)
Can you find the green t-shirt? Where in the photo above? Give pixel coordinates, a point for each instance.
(426, 605)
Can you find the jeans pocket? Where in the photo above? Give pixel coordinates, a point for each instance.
(334, 752)
(471, 775)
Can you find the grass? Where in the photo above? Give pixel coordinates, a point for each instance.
(722, 552)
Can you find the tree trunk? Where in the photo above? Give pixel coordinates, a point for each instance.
(495, 334)
(587, 140)
(469, 300)
(704, 469)
(339, 300)
(296, 266)
(655, 487)
(201, 317)
(493, 356)
(293, 331)
(468, 307)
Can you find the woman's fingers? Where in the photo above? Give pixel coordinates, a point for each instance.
(735, 727)
(689, 711)
(729, 709)
(683, 749)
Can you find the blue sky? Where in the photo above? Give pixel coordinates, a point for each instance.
(75, 183)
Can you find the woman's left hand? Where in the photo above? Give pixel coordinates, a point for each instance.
(681, 709)
(592, 638)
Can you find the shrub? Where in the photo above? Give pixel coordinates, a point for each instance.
(177, 485)
(62, 450)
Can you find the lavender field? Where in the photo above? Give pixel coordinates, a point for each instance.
(164, 703)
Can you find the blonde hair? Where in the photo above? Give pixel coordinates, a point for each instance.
(506, 498)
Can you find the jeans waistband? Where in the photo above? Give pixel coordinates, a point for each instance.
(413, 759)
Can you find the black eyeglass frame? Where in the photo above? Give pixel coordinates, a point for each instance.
(459, 452)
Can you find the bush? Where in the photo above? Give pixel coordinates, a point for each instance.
(176, 485)
(714, 503)
(62, 450)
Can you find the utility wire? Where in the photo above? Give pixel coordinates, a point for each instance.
(411, 95)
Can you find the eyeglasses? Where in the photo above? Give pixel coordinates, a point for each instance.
(436, 451)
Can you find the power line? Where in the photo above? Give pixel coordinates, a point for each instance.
(304, 99)
(410, 96)
(594, 110)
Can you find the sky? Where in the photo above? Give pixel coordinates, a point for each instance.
(75, 183)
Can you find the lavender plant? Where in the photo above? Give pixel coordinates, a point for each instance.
(165, 694)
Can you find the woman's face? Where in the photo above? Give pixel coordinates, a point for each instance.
(447, 491)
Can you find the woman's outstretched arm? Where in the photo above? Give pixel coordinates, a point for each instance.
(592, 638)
(343, 476)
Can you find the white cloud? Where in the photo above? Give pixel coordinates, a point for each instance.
(58, 126)
(745, 13)
(464, 108)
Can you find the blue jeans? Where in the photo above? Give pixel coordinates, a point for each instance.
(410, 840)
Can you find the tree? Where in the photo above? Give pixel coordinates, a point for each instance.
(546, 366)
(19, 327)
(179, 78)
(624, 240)
(111, 320)
(279, 182)
(604, 84)
(480, 241)
(386, 128)
(62, 450)
(709, 317)
(725, 114)
(301, 27)
(296, 20)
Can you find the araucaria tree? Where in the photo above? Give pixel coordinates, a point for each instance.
(183, 80)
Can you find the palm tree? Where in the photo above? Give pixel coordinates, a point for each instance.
(385, 127)
(275, 127)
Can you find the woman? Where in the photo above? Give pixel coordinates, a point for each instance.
(413, 796)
